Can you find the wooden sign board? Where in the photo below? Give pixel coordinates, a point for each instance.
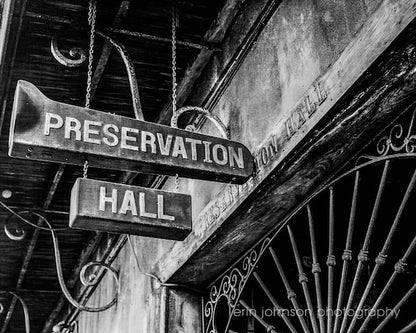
(46, 130)
(117, 208)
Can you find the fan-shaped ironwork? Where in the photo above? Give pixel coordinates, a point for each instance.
(343, 262)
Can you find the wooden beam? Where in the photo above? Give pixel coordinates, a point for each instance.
(162, 39)
(196, 259)
(6, 20)
(31, 246)
(8, 49)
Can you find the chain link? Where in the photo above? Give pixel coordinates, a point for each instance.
(175, 22)
(85, 170)
(92, 13)
(174, 25)
(177, 183)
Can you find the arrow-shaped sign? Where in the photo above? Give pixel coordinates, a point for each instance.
(46, 130)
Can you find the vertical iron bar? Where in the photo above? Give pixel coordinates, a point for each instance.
(382, 256)
(346, 256)
(252, 312)
(363, 255)
(395, 309)
(330, 262)
(280, 310)
(398, 269)
(409, 327)
(303, 280)
(316, 269)
(290, 293)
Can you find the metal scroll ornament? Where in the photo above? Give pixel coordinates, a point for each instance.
(87, 279)
(229, 288)
(397, 140)
(81, 58)
(77, 53)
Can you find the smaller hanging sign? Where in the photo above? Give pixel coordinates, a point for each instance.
(118, 208)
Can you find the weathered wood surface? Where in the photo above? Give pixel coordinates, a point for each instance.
(118, 208)
(63, 133)
(273, 192)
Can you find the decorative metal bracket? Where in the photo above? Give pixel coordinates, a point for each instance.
(77, 53)
(86, 280)
(213, 118)
(229, 288)
(81, 57)
(397, 140)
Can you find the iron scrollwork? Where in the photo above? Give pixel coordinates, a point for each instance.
(230, 287)
(87, 280)
(80, 54)
(77, 53)
(397, 140)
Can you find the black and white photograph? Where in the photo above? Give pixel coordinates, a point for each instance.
(207, 166)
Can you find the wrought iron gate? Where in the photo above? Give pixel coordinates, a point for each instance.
(343, 262)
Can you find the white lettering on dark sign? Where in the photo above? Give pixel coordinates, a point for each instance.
(103, 206)
(133, 139)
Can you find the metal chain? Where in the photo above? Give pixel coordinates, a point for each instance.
(92, 13)
(85, 170)
(174, 25)
(177, 183)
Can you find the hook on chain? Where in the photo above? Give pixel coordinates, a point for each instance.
(85, 169)
(213, 118)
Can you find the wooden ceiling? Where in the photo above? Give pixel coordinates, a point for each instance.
(27, 267)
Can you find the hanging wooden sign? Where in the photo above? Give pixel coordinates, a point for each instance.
(46, 130)
(117, 208)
